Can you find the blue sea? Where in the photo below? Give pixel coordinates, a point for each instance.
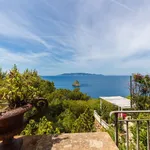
(94, 85)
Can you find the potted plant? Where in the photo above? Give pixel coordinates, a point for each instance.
(21, 91)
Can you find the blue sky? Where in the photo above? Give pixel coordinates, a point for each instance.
(58, 36)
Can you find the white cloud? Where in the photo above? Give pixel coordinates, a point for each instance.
(121, 37)
(79, 35)
(20, 57)
(11, 29)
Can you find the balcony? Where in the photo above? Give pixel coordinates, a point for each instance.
(127, 128)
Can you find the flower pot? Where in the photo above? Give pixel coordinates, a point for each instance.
(11, 123)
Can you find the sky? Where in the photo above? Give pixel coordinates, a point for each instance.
(110, 37)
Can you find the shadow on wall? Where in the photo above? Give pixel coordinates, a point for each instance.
(32, 142)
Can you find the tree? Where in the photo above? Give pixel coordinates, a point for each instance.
(22, 88)
(106, 109)
(65, 94)
(2, 77)
(46, 87)
(18, 88)
(141, 91)
(85, 122)
(2, 74)
(39, 128)
(66, 120)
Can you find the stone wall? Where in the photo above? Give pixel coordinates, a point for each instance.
(70, 141)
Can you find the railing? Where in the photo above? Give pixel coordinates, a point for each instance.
(101, 121)
(115, 113)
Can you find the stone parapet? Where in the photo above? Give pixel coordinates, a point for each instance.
(68, 141)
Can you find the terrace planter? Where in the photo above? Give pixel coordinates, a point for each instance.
(11, 123)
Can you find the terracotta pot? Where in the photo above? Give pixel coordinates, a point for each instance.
(12, 123)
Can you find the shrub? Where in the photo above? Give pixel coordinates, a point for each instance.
(22, 88)
(85, 122)
(39, 128)
(65, 94)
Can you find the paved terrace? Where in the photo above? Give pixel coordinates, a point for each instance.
(72, 141)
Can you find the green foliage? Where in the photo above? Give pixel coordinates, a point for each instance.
(128, 97)
(2, 77)
(94, 104)
(141, 91)
(141, 102)
(17, 88)
(142, 131)
(22, 88)
(39, 128)
(77, 95)
(106, 109)
(2, 74)
(64, 113)
(60, 94)
(111, 133)
(66, 120)
(84, 123)
(65, 94)
(56, 108)
(78, 107)
(46, 88)
(67, 111)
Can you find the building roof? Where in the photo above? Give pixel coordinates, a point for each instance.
(118, 101)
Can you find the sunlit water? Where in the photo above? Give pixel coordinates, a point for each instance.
(94, 86)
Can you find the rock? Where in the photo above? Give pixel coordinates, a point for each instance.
(76, 83)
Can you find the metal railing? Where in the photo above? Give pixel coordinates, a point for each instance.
(117, 121)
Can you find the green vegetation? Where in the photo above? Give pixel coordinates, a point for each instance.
(142, 131)
(106, 109)
(84, 123)
(39, 128)
(19, 89)
(65, 94)
(67, 111)
(141, 92)
(65, 116)
(141, 101)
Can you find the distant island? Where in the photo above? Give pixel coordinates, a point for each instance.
(79, 74)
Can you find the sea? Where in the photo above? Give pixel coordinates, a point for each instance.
(94, 85)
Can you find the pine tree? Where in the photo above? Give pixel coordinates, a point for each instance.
(85, 122)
